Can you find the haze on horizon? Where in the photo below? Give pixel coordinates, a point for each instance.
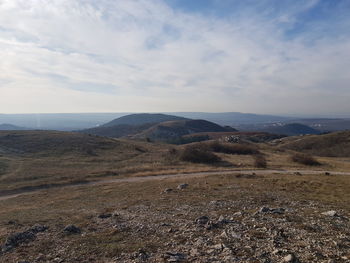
(275, 57)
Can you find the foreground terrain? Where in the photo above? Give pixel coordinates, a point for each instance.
(106, 200)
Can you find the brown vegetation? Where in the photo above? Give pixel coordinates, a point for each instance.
(198, 153)
(233, 148)
(260, 161)
(305, 159)
(335, 144)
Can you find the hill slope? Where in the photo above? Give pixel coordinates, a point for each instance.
(10, 127)
(171, 130)
(335, 144)
(232, 118)
(291, 129)
(142, 118)
(52, 142)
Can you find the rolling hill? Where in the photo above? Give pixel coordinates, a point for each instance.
(130, 125)
(10, 127)
(290, 129)
(142, 118)
(157, 127)
(52, 142)
(172, 130)
(335, 144)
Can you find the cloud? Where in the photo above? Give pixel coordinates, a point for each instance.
(74, 56)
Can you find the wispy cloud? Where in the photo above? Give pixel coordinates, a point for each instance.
(71, 56)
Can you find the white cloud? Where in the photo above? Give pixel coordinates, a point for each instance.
(76, 56)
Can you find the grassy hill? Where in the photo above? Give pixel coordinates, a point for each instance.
(173, 130)
(335, 144)
(142, 118)
(157, 127)
(52, 142)
(119, 130)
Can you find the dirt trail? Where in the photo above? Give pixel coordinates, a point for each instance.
(20, 192)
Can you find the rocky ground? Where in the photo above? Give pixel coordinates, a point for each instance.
(267, 226)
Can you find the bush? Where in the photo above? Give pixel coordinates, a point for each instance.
(305, 159)
(3, 167)
(260, 161)
(230, 148)
(198, 154)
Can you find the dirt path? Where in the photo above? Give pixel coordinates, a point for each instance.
(31, 190)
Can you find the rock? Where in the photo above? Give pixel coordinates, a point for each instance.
(104, 216)
(38, 228)
(167, 190)
(327, 173)
(182, 186)
(72, 229)
(279, 210)
(223, 221)
(202, 220)
(175, 257)
(264, 209)
(237, 214)
(330, 213)
(16, 239)
(290, 258)
(297, 173)
(142, 255)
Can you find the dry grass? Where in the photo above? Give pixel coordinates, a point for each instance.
(260, 161)
(81, 205)
(233, 148)
(335, 144)
(305, 159)
(198, 153)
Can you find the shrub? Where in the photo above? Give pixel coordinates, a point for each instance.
(260, 161)
(198, 154)
(304, 159)
(231, 148)
(3, 167)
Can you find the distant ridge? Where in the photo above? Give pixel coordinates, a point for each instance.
(131, 124)
(11, 127)
(336, 144)
(171, 130)
(158, 127)
(142, 118)
(291, 129)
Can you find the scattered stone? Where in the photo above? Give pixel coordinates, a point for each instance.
(330, 213)
(167, 190)
(104, 216)
(265, 209)
(142, 255)
(297, 173)
(238, 214)
(202, 220)
(175, 257)
(182, 186)
(327, 173)
(14, 240)
(38, 228)
(290, 258)
(72, 229)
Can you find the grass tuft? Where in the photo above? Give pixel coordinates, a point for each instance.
(305, 159)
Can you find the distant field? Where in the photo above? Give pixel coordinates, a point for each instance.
(41, 159)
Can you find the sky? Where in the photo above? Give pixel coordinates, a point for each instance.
(258, 56)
